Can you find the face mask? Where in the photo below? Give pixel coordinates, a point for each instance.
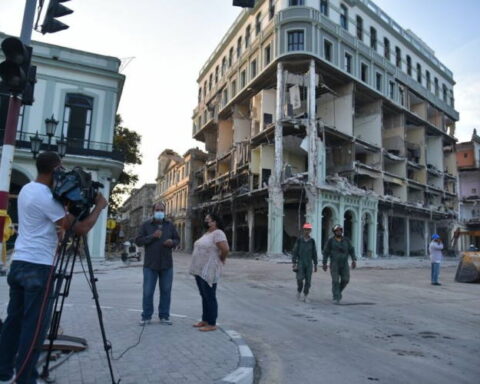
(159, 215)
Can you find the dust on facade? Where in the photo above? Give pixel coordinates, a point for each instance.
(320, 111)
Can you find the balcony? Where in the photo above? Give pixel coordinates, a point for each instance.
(76, 147)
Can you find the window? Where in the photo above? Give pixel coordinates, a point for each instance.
(344, 16)
(444, 92)
(271, 9)
(210, 81)
(243, 78)
(247, 36)
(398, 57)
(239, 47)
(359, 28)
(364, 72)
(409, 65)
(204, 89)
(224, 65)
(419, 73)
(401, 95)
(295, 2)
(429, 81)
(378, 82)
(199, 94)
(386, 47)
(267, 54)
(348, 63)
(234, 88)
(225, 97)
(391, 90)
(452, 103)
(77, 119)
(253, 69)
(216, 74)
(327, 50)
(295, 41)
(324, 7)
(258, 23)
(373, 38)
(435, 81)
(230, 57)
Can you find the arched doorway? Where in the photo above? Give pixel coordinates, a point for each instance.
(17, 181)
(327, 224)
(348, 221)
(367, 235)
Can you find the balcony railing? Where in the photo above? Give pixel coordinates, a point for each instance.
(74, 146)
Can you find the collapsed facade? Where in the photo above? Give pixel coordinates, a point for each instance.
(327, 112)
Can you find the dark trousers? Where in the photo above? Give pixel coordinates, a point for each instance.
(209, 300)
(340, 273)
(26, 309)
(165, 280)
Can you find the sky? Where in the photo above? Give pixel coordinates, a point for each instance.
(170, 40)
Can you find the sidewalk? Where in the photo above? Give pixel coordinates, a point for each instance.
(166, 354)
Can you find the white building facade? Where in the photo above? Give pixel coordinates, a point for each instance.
(82, 91)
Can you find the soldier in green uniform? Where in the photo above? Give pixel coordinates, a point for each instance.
(304, 258)
(337, 249)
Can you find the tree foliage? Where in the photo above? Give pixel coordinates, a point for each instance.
(127, 142)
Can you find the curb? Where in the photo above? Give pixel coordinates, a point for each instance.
(244, 372)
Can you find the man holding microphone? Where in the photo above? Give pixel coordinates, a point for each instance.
(159, 237)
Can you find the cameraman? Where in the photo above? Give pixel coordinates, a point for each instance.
(42, 220)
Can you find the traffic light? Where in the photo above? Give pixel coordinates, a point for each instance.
(244, 3)
(55, 9)
(15, 70)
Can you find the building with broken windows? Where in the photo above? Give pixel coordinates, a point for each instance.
(468, 162)
(327, 112)
(175, 188)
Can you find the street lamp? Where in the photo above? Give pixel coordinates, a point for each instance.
(62, 146)
(51, 126)
(35, 142)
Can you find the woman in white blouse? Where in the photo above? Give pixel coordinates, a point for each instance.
(209, 254)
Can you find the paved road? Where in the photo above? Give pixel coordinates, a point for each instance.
(393, 327)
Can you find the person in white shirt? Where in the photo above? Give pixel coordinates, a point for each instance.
(435, 249)
(42, 220)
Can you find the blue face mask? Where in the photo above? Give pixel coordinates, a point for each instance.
(159, 215)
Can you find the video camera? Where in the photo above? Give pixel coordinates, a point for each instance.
(76, 190)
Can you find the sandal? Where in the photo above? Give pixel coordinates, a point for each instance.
(200, 324)
(208, 328)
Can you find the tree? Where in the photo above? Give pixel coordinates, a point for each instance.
(127, 142)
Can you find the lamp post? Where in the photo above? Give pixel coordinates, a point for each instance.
(51, 126)
(35, 142)
(62, 146)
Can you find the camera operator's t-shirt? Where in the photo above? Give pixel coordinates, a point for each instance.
(37, 213)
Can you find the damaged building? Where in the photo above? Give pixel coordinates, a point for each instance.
(326, 112)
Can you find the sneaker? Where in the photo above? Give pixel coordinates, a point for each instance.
(298, 295)
(306, 299)
(143, 322)
(436, 284)
(166, 321)
(336, 301)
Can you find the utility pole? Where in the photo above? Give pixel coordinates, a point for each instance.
(14, 106)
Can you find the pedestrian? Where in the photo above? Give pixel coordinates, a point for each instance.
(31, 273)
(337, 249)
(304, 260)
(208, 257)
(435, 249)
(159, 236)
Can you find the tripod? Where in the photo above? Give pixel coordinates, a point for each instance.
(63, 278)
